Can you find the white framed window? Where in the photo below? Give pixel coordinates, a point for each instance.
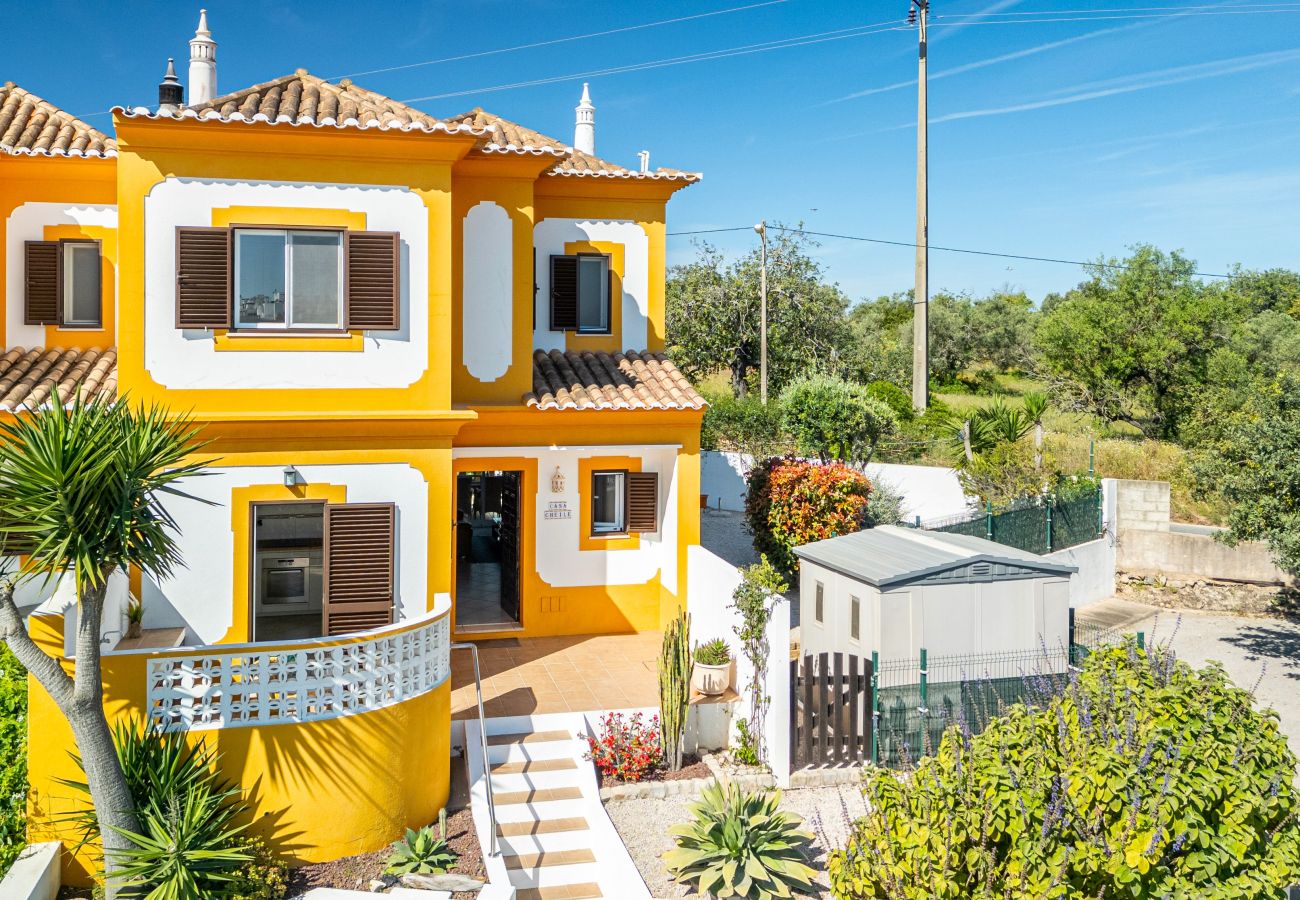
(855, 618)
(80, 281)
(608, 503)
(819, 604)
(286, 278)
(593, 294)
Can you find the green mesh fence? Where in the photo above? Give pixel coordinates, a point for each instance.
(1035, 525)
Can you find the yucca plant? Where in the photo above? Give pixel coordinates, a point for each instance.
(423, 852)
(741, 845)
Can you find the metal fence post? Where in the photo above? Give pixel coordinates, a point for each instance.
(1101, 510)
(988, 522)
(1092, 456)
(1050, 501)
(1142, 640)
(875, 707)
(924, 708)
(1069, 653)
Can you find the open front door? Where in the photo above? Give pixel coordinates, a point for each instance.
(510, 544)
(359, 555)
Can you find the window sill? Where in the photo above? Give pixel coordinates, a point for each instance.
(315, 342)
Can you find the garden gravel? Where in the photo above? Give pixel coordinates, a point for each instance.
(643, 825)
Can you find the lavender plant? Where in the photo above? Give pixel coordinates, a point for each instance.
(1141, 777)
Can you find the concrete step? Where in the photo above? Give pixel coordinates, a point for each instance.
(545, 826)
(554, 876)
(589, 891)
(553, 858)
(530, 737)
(533, 766)
(566, 749)
(541, 812)
(524, 844)
(539, 795)
(534, 781)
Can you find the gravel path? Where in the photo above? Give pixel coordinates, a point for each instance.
(723, 532)
(643, 826)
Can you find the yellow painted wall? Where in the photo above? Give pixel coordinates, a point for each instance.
(27, 179)
(318, 790)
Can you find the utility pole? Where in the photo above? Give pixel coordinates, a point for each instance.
(918, 13)
(761, 228)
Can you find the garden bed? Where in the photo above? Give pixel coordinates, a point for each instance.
(692, 767)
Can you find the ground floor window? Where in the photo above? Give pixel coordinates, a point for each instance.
(608, 503)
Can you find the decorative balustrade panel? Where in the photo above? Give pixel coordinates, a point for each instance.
(287, 684)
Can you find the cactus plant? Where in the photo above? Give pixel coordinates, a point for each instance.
(674, 687)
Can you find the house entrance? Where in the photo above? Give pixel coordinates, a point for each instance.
(487, 544)
(288, 568)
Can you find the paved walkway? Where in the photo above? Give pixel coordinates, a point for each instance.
(555, 841)
(528, 676)
(1251, 650)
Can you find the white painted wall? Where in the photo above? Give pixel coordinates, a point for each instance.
(62, 600)
(930, 492)
(560, 562)
(945, 619)
(35, 874)
(188, 359)
(487, 314)
(27, 223)
(549, 238)
(1095, 580)
(199, 595)
(711, 581)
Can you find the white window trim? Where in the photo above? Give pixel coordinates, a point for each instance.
(618, 527)
(288, 324)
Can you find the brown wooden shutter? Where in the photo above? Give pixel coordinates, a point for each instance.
(642, 501)
(564, 293)
(359, 551)
(41, 296)
(373, 287)
(203, 276)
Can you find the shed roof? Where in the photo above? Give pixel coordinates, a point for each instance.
(889, 556)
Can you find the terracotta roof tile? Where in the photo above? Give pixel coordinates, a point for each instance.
(28, 376)
(572, 379)
(30, 126)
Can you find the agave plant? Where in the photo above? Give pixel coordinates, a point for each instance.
(422, 852)
(741, 845)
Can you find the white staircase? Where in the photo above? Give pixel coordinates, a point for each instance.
(554, 840)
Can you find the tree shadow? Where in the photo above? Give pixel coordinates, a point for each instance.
(1273, 642)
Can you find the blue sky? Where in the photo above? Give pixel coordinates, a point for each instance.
(1171, 122)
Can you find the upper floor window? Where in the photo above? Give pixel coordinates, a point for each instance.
(63, 284)
(581, 293)
(288, 279)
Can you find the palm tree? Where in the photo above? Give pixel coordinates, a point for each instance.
(79, 490)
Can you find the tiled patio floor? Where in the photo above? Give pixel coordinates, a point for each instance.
(558, 674)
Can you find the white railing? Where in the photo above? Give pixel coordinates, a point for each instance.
(303, 681)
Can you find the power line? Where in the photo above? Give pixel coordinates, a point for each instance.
(1121, 9)
(952, 21)
(853, 237)
(563, 40)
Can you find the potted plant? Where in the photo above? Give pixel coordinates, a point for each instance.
(134, 616)
(712, 672)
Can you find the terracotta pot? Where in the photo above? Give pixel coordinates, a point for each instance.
(133, 629)
(711, 680)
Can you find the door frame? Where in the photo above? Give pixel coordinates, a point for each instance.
(253, 506)
(527, 469)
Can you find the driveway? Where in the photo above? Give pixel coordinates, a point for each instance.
(1251, 650)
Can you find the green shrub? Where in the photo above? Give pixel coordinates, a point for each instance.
(264, 878)
(746, 750)
(423, 852)
(792, 502)
(1143, 778)
(13, 758)
(744, 425)
(833, 419)
(893, 396)
(740, 845)
(713, 653)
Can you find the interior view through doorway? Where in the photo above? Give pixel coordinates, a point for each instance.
(287, 578)
(487, 550)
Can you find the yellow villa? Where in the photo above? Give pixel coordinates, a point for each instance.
(428, 355)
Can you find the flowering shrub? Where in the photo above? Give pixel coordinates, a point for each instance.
(793, 502)
(627, 748)
(1144, 778)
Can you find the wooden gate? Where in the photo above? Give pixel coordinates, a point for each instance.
(830, 710)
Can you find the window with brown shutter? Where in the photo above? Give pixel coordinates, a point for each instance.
(564, 293)
(203, 277)
(359, 556)
(642, 501)
(373, 280)
(41, 295)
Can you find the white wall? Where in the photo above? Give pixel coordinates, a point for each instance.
(1095, 560)
(27, 223)
(199, 595)
(549, 238)
(35, 874)
(487, 307)
(188, 359)
(711, 582)
(560, 561)
(930, 492)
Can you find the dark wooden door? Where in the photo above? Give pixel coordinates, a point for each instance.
(830, 710)
(510, 543)
(359, 557)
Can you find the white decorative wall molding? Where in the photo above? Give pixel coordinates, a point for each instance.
(487, 304)
(269, 684)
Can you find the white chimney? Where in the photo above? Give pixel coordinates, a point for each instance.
(644, 157)
(584, 129)
(203, 63)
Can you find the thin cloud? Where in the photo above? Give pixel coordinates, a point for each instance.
(1132, 83)
(984, 13)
